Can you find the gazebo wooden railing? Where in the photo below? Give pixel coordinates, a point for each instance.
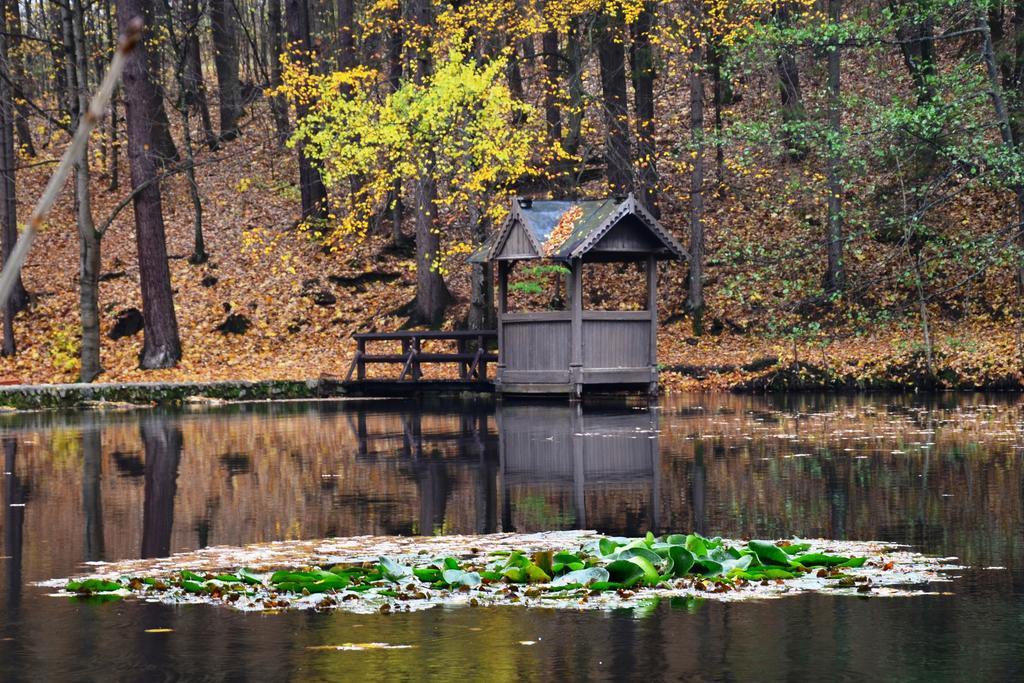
(472, 362)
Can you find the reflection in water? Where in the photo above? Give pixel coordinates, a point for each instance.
(942, 473)
(161, 440)
(15, 499)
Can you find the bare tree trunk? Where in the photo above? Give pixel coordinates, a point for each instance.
(8, 200)
(225, 58)
(835, 276)
(195, 84)
(311, 185)
(393, 204)
(278, 105)
(432, 295)
(574, 117)
(695, 298)
(346, 34)
(18, 82)
(161, 343)
(115, 143)
(790, 95)
(88, 237)
(481, 309)
(612, 58)
(552, 75)
(183, 73)
(644, 71)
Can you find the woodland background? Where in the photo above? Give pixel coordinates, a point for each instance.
(274, 176)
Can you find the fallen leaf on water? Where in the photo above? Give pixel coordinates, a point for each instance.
(159, 630)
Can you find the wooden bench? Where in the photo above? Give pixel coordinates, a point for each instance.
(472, 363)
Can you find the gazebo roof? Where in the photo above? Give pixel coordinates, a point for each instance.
(531, 223)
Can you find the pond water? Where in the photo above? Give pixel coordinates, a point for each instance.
(944, 474)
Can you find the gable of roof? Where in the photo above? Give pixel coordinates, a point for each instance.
(538, 220)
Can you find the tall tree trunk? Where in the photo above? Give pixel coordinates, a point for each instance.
(278, 105)
(394, 200)
(431, 293)
(19, 81)
(790, 96)
(481, 309)
(195, 84)
(552, 85)
(835, 275)
(575, 110)
(115, 142)
(225, 58)
(161, 344)
(346, 34)
(917, 45)
(183, 74)
(644, 71)
(8, 200)
(695, 298)
(311, 185)
(611, 55)
(88, 238)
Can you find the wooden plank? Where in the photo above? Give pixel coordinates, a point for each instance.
(617, 315)
(539, 317)
(617, 375)
(611, 343)
(535, 376)
(427, 334)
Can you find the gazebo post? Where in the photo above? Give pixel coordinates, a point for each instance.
(502, 308)
(576, 307)
(652, 308)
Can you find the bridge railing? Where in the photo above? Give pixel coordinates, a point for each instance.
(471, 353)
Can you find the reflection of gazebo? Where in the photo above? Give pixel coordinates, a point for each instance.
(609, 457)
(565, 351)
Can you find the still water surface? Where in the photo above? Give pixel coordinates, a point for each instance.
(944, 474)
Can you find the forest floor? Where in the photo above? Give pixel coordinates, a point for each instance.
(302, 301)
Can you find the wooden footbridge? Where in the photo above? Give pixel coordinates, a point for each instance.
(561, 351)
(473, 350)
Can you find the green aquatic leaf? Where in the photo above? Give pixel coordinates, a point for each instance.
(682, 560)
(457, 577)
(93, 586)
(393, 571)
(769, 553)
(186, 575)
(796, 548)
(651, 575)
(583, 576)
(675, 539)
(249, 577)
(696, 544)
(427, 574)
(854, 562)
(607, 546)
(821, 560)
(625, 572)
(648, 555)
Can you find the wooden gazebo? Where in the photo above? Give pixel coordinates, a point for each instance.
(566, 351)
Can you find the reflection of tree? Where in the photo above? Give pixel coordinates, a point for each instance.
(161, 439)
(92, 497)
(15, 497)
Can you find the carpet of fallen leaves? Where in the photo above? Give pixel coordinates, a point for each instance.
(304, 300)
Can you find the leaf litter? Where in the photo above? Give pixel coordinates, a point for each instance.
(557, 569)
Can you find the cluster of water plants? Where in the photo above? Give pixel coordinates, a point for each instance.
(604, 564)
